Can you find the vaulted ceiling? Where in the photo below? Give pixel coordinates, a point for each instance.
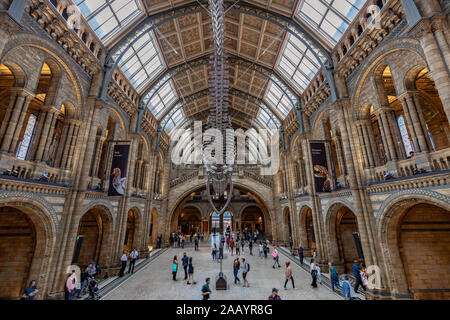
(268, 66)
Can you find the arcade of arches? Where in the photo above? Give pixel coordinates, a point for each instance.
(364, 159)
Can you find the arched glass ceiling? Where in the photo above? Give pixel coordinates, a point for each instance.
(173, 118)
(278, 99)
(297, 63)
(142, 62)
(330, 17)
(107, 17)
(162, 99)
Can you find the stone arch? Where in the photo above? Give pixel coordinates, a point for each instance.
(389, 222)
(53, 50)
(307, 234)
(103, 240)
(267, 210)
(340, 225)
(111, 111)
(287, 220)
(137, 240)
(20, 77)
(44, 228)
(366, 68)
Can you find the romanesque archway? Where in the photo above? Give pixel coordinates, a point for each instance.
(189, 220)
(307, 236)
(94, 237)
(252, 218)
(345, 246)
(416, 241)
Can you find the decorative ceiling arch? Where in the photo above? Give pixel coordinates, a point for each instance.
(153, 21)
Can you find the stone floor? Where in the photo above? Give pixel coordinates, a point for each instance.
(155, 280)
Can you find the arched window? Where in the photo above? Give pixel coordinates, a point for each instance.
(215, 220)
(404, 133)
(227, 220)
(25, 143)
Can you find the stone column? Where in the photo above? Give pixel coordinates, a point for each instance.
(387, 133)
(362, 143)
(414, 123)
(70, 147)
(47, 118)
(62, 143)
(373, 150)
(425, 32)
(97, 154)
(12, 125)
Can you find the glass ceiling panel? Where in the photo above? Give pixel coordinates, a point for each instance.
(142, 62)
(330, 17)
(297, 63)
(107, 17)
(278, 100)
(162, 99)
(172, 119)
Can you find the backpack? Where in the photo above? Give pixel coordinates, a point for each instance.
(248, 267)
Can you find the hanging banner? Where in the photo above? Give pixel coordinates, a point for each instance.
(320, 167)
(118, 178)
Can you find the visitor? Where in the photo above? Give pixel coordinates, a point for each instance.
(71, 284)
(196, 243)
(228, 242)
(261, 250)
(93, 290)
(206, 291)
(313, 271)
(236, 267)
(238, 250)
(242, 245)
(245, 270)
(357, 274)
(31, 291)
(364, 275)
(84, 276)
(192, 235)
(346, 288)
(214, 252)
(232, 246)
(221, 250)
(133, 256)
(274, 295)
(97, 269)
(183, 239)
(300, 254)
(288, 273)
(174, 268)
(314, 253)
(319, 278)
(123, 260)
(276, 258)
(290, 243)
(191, 272)
(266, 250)
(334, 277)
(250, 247)
(185, 261)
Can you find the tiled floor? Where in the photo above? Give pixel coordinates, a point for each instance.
(155, 280)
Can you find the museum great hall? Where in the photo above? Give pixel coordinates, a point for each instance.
(355, 95)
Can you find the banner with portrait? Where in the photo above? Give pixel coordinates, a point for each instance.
(118, 177)
(322, 179)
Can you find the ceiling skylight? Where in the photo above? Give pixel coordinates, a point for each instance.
(107, 17)
(265, 119)
(174, 118)
(330, 17)
(297, 63)
(278, 99)
(142, 62)
(162, 99)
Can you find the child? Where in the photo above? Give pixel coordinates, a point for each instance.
(318, 274)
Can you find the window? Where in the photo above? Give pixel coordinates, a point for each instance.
(227, 219)
(215, 220)
(25, 143)
(405, 137)
(297, 63)
(107, 17)
(330, 17)
(266, 119)
(141, 62)
(174, 118)
(162, 99)
(278, 99)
